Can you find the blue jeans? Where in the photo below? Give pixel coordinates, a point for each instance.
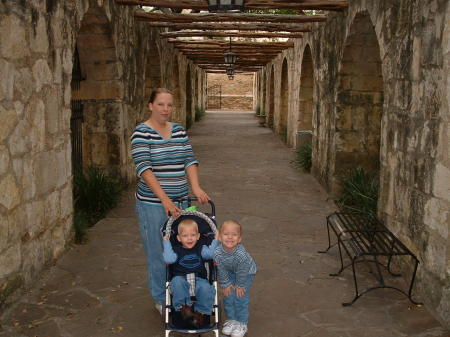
(204, 292)
(236, 308)
(151, 220)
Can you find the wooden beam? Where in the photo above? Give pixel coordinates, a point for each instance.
(331, 5)
(187, 33)
(226, 44)
(232, 17)
(268, 27)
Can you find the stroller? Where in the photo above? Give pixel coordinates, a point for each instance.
(207, 228)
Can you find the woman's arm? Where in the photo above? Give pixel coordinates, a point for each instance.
(192, 174)
(156, 188)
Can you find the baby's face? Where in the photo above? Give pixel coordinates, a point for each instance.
(230, 236)
(188, 236)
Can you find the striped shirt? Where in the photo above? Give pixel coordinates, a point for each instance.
(239, 262)
(167, 158)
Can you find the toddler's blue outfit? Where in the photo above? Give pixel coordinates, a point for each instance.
(235, 269)
(190, 261)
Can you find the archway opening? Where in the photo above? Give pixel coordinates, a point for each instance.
(284, 102)
(97, 89)
(271, 111)
(189, 94)
(304, 121)
(359, 101)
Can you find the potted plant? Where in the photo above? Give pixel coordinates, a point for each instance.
(261, 115)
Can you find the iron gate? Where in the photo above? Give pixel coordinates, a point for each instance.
(214, 97)
(76, 129)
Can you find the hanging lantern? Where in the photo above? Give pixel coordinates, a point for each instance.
(230, 57)
(225, 5)
(231, 77)
(230, 71)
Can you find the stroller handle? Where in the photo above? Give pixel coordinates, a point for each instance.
(190, 199)
(170, 220)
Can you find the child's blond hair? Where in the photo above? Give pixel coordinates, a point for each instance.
(231, 222)
(187, 223)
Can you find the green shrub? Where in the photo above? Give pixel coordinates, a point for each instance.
(360, 192)
(199, 113)
(304, 156)
(80, 225)
(95, 193)
(188, 123)
(258, 110)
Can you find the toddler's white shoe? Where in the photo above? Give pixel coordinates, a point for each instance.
(229, 326)
(239, 330)
(159, 308)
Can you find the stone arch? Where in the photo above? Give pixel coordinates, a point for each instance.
(152, 69)
(284, 101)
(177, 103)
(264, 92)
(359, 103)
(306, 102)
(271, 112)
(99, 90)
(189, 94)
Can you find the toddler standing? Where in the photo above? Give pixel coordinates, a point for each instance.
(236, 271)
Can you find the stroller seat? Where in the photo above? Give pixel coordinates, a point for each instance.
(207, 229)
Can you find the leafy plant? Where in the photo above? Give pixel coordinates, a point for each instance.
(304, 156)
(95, 193)
(80, 225)
(360, 192)
(199, 113)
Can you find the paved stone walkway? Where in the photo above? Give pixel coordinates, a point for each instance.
(99, 289)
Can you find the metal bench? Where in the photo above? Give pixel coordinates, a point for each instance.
(366, 239)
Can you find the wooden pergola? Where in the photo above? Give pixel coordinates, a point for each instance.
(213, 33)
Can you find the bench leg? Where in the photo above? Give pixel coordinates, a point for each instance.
(342, 260)
(412, 283)
(329, 240)
(357, 295)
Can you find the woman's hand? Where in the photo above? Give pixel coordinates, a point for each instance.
(201, 195)
(227, 291)
(240, 292)
(170, 208)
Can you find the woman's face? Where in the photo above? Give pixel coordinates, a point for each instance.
(161, 107)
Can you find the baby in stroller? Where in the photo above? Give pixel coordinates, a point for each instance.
(189, 244)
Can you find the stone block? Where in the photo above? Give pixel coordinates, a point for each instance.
(8, 122)
(18, 142)
(9, 192)
(37, 133)
(13, 33)
(52, 111)
(4, 159)
(41, 74)
(99, 145)
(66, 201)
(24, 84)
(10, 260)
(44, 173)
(100, 90)
(62, 163)
(441, 188)
(4, 232)
(17, 221)
(101, 71)
(52, 208)
(7, 72)
(39, 37)
(36, 221)
(28, 182)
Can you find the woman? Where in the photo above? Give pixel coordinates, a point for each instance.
(165, 163)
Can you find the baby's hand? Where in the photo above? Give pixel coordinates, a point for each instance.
(216, 237)
(240, 292)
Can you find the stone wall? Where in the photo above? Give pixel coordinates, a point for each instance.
(236, 94)
(380, 100)
(120, 63)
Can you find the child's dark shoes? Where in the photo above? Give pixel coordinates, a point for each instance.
(186, 312)
(197, 319)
